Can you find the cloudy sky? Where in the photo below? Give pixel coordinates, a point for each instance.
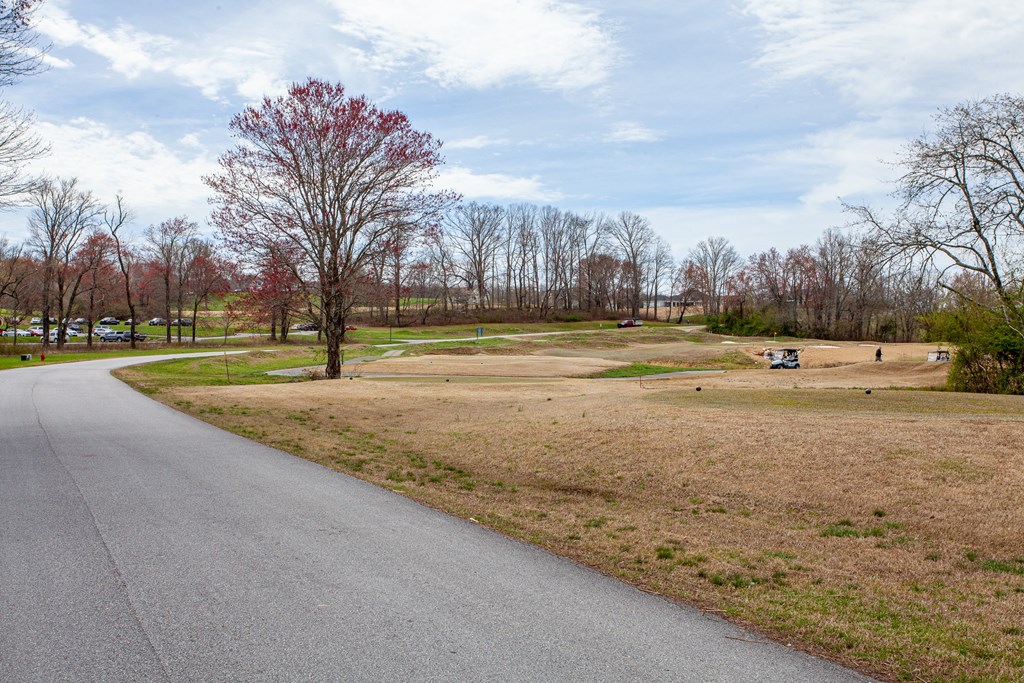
(738, 118)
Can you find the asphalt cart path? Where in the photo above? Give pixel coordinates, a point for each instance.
(137, 543)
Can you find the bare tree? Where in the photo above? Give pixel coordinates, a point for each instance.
(95, 275)
(400, 251)
(207, 275)
(476, 231)
(62, 215)
(715, 261)
(661, 268)
(521, 254)
(167, 245)
(20, 53)
(10, 256)
(835, 261)
(635, 239)
(20, 56)
(589, 236)
(16, 273)
(115, 219)
(963, 202)
(18, 146)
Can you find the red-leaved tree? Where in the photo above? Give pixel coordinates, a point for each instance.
(332, 175)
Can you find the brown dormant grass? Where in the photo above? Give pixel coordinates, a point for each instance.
(884, 530)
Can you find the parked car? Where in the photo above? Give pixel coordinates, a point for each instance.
(306, 327)
(350, 328)
(100, 330)
(116, 336)
(37, 321)
(36, 331)
(81, 321)
(109, 321)
(15, 332)
(184, 322)
(153, 322)
(630, 322)
(67, 334)
(121, 336)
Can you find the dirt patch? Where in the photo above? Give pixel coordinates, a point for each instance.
(487, 365)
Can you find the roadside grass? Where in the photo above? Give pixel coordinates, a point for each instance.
(8, 362)
(231, 369)
(10, 356)
(881, 530)
(226, 370)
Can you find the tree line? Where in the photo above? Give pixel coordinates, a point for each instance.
(78, 262)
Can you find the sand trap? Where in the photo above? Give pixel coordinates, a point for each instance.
(481, 365)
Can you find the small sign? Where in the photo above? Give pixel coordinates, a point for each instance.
(479, 332)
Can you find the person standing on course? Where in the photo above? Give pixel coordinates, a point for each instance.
(878, 355)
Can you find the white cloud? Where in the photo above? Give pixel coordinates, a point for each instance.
(879, 51)
(495, 186)
(130, 52)
(476, 142)
(56, 62)
(627, 131)
(856, 162)
(550, 43)
(156, 180)
(212, 64)
(751, 229)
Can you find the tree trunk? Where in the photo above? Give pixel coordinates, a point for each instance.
(131, 311)
(334, 329)
(167, 304)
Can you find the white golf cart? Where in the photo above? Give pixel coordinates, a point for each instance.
(785, 359)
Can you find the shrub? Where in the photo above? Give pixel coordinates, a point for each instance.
(990, 354)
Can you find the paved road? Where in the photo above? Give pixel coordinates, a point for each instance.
(137, 544)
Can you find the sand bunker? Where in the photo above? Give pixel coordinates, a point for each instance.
(481, 365)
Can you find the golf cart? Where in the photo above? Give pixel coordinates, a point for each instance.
(938, 356)
(785, 359)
